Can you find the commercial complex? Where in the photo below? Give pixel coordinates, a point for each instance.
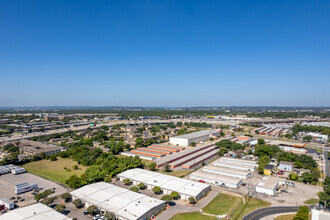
(227, 172)
(125, 204)
(186, 139)
(34, 212)
(185, 188)
(35, 147)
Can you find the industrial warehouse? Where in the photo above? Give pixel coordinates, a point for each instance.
(125, 204)
(268, 185)
(33, 212)
(225, 172)
(186, 139)
(185, 188)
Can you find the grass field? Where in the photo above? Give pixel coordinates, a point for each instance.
(311, 201)
(192, 216)
(54, 170)
(285, 217)
(223, 204)
(253, 204)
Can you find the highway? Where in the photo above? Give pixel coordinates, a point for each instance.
(260, 213)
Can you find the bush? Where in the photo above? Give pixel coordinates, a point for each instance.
(78, 203)
(167, 168)
(60, 208)
(141, 186)
(175, 195)
(134, 189)
(152, 166)
(302, 214)
(126, 181)
(53, 157)
(48, 201)
(92, 210)
(193, 144)
(66, 196)
(157, 190)
(167, 198)
(109, 216)
(191, 200)
(75, 167)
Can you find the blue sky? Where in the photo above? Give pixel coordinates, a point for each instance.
(165, 53)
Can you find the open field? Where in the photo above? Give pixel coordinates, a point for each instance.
(192, 216)
(253, 204)
(54, 170)
(311, 201)
(285, 217)
(223, 204)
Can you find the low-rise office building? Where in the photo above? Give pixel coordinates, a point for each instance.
(286, 166)
(125, 204)
(268, 185)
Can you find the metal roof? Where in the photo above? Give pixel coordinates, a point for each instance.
(196, 134)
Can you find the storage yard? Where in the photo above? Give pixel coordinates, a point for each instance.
(10, 168)
(189, 158)
(185, 188)
(125, 204)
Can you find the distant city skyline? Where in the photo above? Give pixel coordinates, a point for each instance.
(164, 53)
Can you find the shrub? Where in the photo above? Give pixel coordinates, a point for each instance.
(126, 181)
(193, 144)
(141, 186)
(157, 190)
(174, 194)
(48, 201)
(109, 216)
(191, 200)
(78, 203)
(134, 189)
(66, 196)
(60, 208)
(167, 198)
(93, 210)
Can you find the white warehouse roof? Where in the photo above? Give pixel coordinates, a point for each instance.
(122, 202)
(34, 212)
(182, 186)
(197, 134)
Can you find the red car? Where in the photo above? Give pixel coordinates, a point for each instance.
(279, 173)
(202, 181)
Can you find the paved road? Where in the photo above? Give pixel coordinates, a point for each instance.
(260, 213)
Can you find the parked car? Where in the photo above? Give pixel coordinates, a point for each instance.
(279, 173)
(85, 213)
(202, 181)
(291, 184)
(284, 190)
(243, 184)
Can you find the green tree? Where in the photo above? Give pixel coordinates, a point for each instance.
(60, 208)
(307, 177)
(261, 141)
(134, 189)
(167, 198)
(75, 167)
(157, 190)
(193, 144)
(308, 138)
(222, 134)
(109, 216)
(48, 201)
(167, 168)
(104, 127)
(174, 194)
(53, 157)
(298, 164)
(191, 200)
(126, 181)
(38, 197)
(66, 196)
(78, 203)
(302, 214)
(139, 142)
(92, 210)
(222, 151)
(152, 166)
(233, 134)
(141, 186)
(74, 182)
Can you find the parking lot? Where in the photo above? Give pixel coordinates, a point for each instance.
(8, 182)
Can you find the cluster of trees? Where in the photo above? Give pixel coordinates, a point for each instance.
(227, 145)
(117, 147)
(198, 124)
(43, 195)
(320, 129)
(104, 168)
(139, 142)
(325, 195)
(10, 148)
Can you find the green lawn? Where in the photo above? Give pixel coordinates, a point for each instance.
(285, 217)
(311, 201)
(192, 216)
(253, 204)
(223, 204)
(54, 170)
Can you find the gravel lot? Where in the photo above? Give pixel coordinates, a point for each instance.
(8, 182)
